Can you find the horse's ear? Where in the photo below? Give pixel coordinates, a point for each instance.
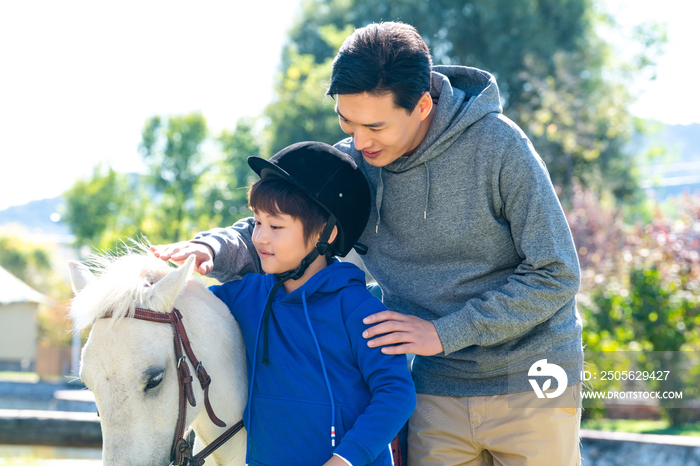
(166, 290)
(80, 276)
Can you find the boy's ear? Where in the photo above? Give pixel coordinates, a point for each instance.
(334, 234)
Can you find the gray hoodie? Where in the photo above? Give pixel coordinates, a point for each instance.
(468, 233)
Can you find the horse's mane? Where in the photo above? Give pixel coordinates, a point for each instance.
(123, 279)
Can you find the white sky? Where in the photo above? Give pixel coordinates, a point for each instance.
(674, 97)
(78, 79)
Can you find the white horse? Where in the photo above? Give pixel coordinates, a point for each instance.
(131, 367)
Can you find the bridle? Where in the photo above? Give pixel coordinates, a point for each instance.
(181, 451)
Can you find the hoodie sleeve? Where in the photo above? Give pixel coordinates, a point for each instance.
(234, 253)
(548, 277)
(229, 293)
(393, 394)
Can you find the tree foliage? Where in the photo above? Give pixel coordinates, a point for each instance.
(104, 207)
(301, 111)
(194, 182)
(640, 286)
(172, 150)
(222, 195)
(35, 264)
(30, 262)
(558, 78)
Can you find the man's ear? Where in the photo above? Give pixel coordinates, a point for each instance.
(424, 105)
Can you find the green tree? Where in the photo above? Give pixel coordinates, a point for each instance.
(559, 80)
(30, 262)
(222, 195)
(36, 265)
(172, 150)
(640, 288)
(194, 183)
(105, 203)
(300, 111)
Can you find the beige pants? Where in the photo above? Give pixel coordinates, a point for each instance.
(484, 430)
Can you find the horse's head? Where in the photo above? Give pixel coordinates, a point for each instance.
(130, 364)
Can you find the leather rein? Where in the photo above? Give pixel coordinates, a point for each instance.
(181, 451)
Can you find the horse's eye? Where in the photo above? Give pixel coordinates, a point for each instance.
(154, 381)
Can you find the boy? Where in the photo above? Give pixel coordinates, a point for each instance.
(317, 394)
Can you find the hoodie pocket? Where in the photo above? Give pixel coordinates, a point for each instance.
(291, 432)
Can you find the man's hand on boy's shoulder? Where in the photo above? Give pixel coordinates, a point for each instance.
(179, 252)
(402, 334)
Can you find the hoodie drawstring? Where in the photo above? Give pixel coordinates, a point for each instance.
(427, 191)
(380, 196)
(321, 248)
(265, 320)
(251, 383)
(323, 367)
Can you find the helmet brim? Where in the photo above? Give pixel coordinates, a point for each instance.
(264, 168)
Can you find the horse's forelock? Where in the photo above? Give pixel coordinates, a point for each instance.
(121, 283)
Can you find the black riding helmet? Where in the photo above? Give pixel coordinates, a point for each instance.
(329, 177)
(333, 180)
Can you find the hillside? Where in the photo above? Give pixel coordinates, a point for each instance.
(35, 217)
(679, 170)
(684, 140)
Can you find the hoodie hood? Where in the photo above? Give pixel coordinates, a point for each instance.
(320, 282)
(464, 95)
(331, 279)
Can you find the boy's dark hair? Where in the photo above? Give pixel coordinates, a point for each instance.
(275, 195)
(380, 59)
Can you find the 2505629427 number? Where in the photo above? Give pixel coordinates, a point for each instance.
(634, 375)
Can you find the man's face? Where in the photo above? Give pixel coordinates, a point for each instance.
(382, 131)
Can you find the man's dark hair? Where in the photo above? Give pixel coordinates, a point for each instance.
(275, 195)
(383, 58)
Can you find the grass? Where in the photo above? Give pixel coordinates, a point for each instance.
(661, 427)
(45, 462)
(19, 377)
(16, 455)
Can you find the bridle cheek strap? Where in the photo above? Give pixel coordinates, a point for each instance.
(202, 375)
(181, 452)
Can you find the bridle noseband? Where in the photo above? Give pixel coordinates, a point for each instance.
(181, 451)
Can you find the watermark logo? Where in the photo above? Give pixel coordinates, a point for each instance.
(542, 368)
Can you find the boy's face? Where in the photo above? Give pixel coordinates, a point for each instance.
(279, 239)
(382, 131)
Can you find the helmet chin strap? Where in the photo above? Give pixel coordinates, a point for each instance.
(321, 248)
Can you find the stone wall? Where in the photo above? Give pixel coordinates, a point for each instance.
(600, 448)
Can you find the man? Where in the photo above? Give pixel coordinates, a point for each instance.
(468, 242)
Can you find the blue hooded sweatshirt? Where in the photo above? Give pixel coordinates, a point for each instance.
(321, 376)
